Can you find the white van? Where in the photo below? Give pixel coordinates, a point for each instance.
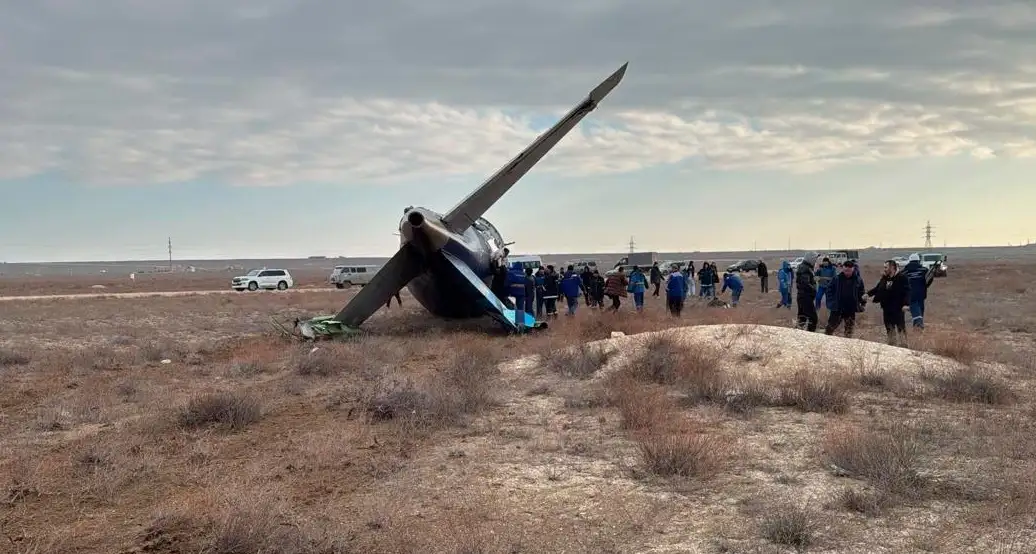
(347, 275)
(535, 262)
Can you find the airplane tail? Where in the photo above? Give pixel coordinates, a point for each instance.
(478, 202)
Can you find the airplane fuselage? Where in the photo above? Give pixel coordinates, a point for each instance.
(437, 288)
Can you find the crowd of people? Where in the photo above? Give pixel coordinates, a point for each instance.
(838, 288)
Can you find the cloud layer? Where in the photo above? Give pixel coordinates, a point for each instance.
(274, 92)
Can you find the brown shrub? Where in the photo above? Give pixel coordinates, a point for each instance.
(970, 384)
(641, 406)
(666, 360)
(681, 455)
(12, 358)
(789, 525)
(963, 347)
(870, 503)
(811, 391)
(230, 410)
(465, 384)
(889, 459)
(579, 362)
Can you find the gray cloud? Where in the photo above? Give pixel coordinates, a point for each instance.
(270, 92)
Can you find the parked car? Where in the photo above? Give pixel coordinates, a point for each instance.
(935, 262)
(743, 265)
(263, 278)
(347, 275)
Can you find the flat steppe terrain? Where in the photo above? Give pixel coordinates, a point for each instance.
(186, 424)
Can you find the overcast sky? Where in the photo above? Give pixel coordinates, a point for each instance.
(298, 127)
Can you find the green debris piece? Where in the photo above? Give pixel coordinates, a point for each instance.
(318, 328)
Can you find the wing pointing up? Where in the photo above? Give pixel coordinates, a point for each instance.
(478, 202)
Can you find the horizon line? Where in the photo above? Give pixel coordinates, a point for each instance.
(166, 261)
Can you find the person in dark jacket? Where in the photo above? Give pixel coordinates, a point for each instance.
(516, 288)
(656, 278)
(550, 291)
(499, 284)
(707, 279)
(596, 289)
(892, 293)
(540, 292)
(806, 292)
(530, 290)
(919, 277)
(586, 276)
(846, 299)
(764, 277)
(570, 287)
(825, 273)
(690, 269)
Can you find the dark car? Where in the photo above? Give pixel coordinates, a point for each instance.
(744, 265)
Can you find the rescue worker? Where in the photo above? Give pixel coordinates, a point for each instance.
(676, 291)
(516, 288)
(550, 291)
(656, 278)
(570, 287)
(785, 276)
(615, 287)
(892, 293)
(917, 275)
(540, 292)
(846, 299)
(399, 301)
(499, 285)
(530, 290)
(733, 282)
(824, 274)
(638, 286)
(596, 290)
(764, 277)
(806, 289)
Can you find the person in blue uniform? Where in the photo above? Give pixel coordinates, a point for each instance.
(516, 289)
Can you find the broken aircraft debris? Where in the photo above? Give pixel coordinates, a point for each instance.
(444, 260)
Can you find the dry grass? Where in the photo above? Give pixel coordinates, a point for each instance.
(414, 439)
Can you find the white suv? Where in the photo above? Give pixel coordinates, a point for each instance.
(264, 278)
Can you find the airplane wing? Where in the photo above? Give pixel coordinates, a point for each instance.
(478, 202)
(406, 264)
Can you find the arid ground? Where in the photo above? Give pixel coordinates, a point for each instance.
(188, 425)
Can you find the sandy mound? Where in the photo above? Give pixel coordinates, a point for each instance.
(778, 352)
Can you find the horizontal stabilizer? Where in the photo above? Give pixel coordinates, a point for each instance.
(478, 202)
(390, 279)
(494, 307)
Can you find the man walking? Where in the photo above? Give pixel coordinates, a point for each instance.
(656, 278)
(676, 291)
(764, 277)
(806, 289)
(892, 293)
(846, 299)
(918, 277)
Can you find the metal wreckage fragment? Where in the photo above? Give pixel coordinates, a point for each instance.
(324, 327)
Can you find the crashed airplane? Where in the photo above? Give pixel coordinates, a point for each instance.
(445, 260)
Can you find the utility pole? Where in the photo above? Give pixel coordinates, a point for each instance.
(928, 235)
(170, 253)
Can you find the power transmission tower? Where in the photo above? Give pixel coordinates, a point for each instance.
(928, 235)
(632, 245)
(170, 253)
